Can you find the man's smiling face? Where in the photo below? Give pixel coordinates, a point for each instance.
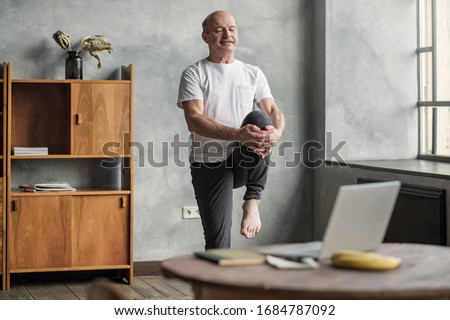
(221, 34)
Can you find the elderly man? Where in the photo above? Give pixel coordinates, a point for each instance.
(234, 124)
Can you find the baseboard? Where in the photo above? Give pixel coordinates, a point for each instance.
(147, 268)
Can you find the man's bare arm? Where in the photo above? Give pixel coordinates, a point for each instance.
(270, 107)
(204, 126)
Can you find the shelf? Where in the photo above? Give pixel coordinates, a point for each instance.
(53, 81)
(80, 192)
(68, 156)
(415, 167)
(71, 116)
(86, 268)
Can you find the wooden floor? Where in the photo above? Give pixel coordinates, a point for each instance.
(146, 287)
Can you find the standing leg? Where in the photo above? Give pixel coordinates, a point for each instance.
(213, 187)
(250, 170)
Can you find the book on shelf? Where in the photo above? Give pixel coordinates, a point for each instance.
(30, 151)
(232, 257)
(47, 187)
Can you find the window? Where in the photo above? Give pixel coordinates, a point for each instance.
(434, 77)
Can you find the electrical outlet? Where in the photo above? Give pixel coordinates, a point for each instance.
(190, 213)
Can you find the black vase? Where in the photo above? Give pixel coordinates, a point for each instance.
(74, 65)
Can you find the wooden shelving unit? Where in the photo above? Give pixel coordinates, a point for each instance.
(87, 126)
(3, 125)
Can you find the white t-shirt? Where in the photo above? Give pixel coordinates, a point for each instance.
(229, 92)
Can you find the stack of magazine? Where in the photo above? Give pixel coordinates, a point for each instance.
(30, 151)
(46, 187)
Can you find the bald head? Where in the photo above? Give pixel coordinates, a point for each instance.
(212, 16)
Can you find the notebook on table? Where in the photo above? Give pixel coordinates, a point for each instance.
(358, 221)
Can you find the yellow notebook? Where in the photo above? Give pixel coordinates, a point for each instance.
(232, 257)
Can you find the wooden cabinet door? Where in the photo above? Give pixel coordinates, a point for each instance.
(2, 224)
(39, 233)
(101, 230)
(101, 116)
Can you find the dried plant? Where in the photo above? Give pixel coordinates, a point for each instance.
(92, 44)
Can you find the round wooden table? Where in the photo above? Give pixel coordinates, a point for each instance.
(423, 274)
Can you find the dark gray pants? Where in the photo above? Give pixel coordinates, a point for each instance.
(214, 183)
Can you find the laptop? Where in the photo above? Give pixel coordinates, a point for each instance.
(358, 221)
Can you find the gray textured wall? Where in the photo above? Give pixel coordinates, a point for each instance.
(371, 78)
(161, 38)
(370, 89)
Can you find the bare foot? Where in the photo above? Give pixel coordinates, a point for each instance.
(251, 222)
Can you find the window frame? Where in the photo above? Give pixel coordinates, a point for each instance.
(434, 103)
